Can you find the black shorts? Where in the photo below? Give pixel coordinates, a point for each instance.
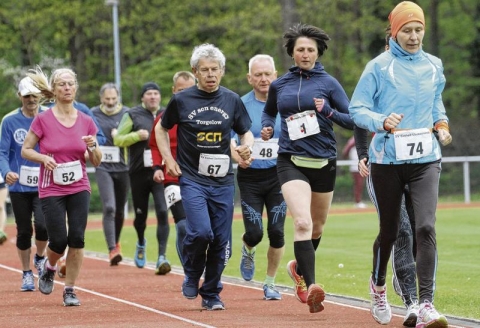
(320, 180)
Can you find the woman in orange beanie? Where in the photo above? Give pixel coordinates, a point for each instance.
(398, 97)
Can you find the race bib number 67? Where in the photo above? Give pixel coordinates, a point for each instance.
(412, 144)
(213, 165)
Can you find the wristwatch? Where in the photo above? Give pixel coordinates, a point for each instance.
(92, 148)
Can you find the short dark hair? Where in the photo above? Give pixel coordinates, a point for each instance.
(308, 31)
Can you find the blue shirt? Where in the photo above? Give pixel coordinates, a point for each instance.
(255, 109)
(14, 129)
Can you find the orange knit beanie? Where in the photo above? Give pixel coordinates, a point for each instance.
(405, 12)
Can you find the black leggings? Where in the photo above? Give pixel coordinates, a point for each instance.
(142, 185)
(75, 208)
(23, 205)
(259, 188)
(389, 182)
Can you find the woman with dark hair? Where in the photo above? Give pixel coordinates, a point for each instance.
(309, 101)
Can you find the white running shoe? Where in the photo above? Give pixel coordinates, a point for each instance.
(380, 309)
(429, 317)
(410, 319)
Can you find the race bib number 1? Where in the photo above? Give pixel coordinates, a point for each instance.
(412, 144)
(302, 125)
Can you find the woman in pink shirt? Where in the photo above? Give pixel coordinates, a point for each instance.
(66, 138)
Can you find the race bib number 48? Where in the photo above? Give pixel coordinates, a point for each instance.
(412, 144)
(265, 149)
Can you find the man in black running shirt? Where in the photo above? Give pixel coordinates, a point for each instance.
(205, 114)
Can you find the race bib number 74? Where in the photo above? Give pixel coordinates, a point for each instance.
(412, 144)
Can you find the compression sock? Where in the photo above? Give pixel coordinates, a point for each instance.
(305, 255)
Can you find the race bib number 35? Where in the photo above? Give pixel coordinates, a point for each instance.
(302, 125)
(412, 144)
(110, 154)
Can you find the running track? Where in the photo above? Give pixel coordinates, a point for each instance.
(126, 296)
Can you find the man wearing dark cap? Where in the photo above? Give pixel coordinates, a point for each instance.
(134, 132)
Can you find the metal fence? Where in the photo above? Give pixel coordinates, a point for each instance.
(464, 160)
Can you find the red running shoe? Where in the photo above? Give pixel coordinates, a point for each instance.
(315, 298)
(300, 289)
(115, 256)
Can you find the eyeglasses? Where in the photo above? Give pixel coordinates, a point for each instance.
(204, 71)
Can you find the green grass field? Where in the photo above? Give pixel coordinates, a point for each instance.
(348, 239)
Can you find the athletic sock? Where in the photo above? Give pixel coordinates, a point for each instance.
(49, 266)
(305, 255)
(316, 242)
(38, 257)
(269, 280)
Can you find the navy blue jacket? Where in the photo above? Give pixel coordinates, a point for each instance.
(293, 93)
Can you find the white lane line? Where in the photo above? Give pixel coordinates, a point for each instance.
(119, 300)
(288, 292)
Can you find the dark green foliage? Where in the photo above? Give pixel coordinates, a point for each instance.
(157, 38)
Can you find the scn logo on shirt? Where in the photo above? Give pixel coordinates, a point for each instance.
(209, 136)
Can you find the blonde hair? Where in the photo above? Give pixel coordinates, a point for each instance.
(46, 86)
(184, 74)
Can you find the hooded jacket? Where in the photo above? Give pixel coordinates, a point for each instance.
(399, 82)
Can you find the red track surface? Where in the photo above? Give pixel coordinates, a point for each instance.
(126, 296)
